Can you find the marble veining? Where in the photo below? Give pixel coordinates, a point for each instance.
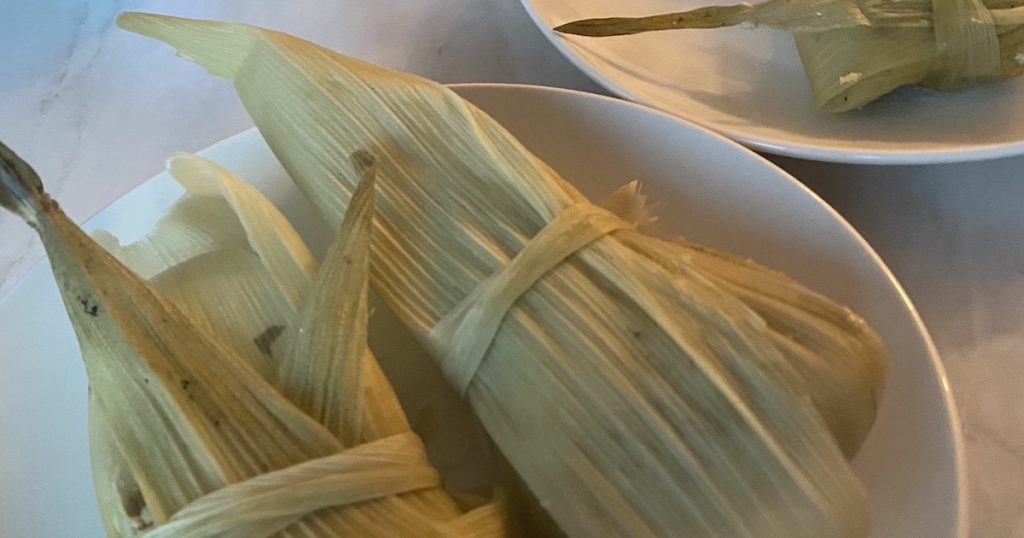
(98, 110)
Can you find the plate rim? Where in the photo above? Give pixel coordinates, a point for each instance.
(952, 414)
(799, 150)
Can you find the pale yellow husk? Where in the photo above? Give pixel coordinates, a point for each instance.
(188, 437)
(855, 51)
(840, 359)
(635, 395)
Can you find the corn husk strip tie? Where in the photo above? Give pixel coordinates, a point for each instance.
(475, 321)
(264, 504)
(965, 38)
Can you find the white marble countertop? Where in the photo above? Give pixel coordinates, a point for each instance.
(97, 111)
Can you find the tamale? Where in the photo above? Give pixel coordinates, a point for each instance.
(197, 442)
(855, 51)
(633, 398)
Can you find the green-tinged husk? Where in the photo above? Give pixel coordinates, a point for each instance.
(855, 51)
(633, 395)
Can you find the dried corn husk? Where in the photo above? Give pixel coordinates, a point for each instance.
(855, 51)
(839, 358)
(188, 427)
(635, 397)
(211, 239)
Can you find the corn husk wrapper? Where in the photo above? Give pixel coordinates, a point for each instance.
(235, 279)
(839, 358)
(855, 51)
(179, 414)
(633, 396)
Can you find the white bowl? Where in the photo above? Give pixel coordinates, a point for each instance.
(703, 186)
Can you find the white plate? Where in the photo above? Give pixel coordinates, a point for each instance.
(704, 186)
(748, 84)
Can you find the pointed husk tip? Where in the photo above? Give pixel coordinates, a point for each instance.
(21, 190)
